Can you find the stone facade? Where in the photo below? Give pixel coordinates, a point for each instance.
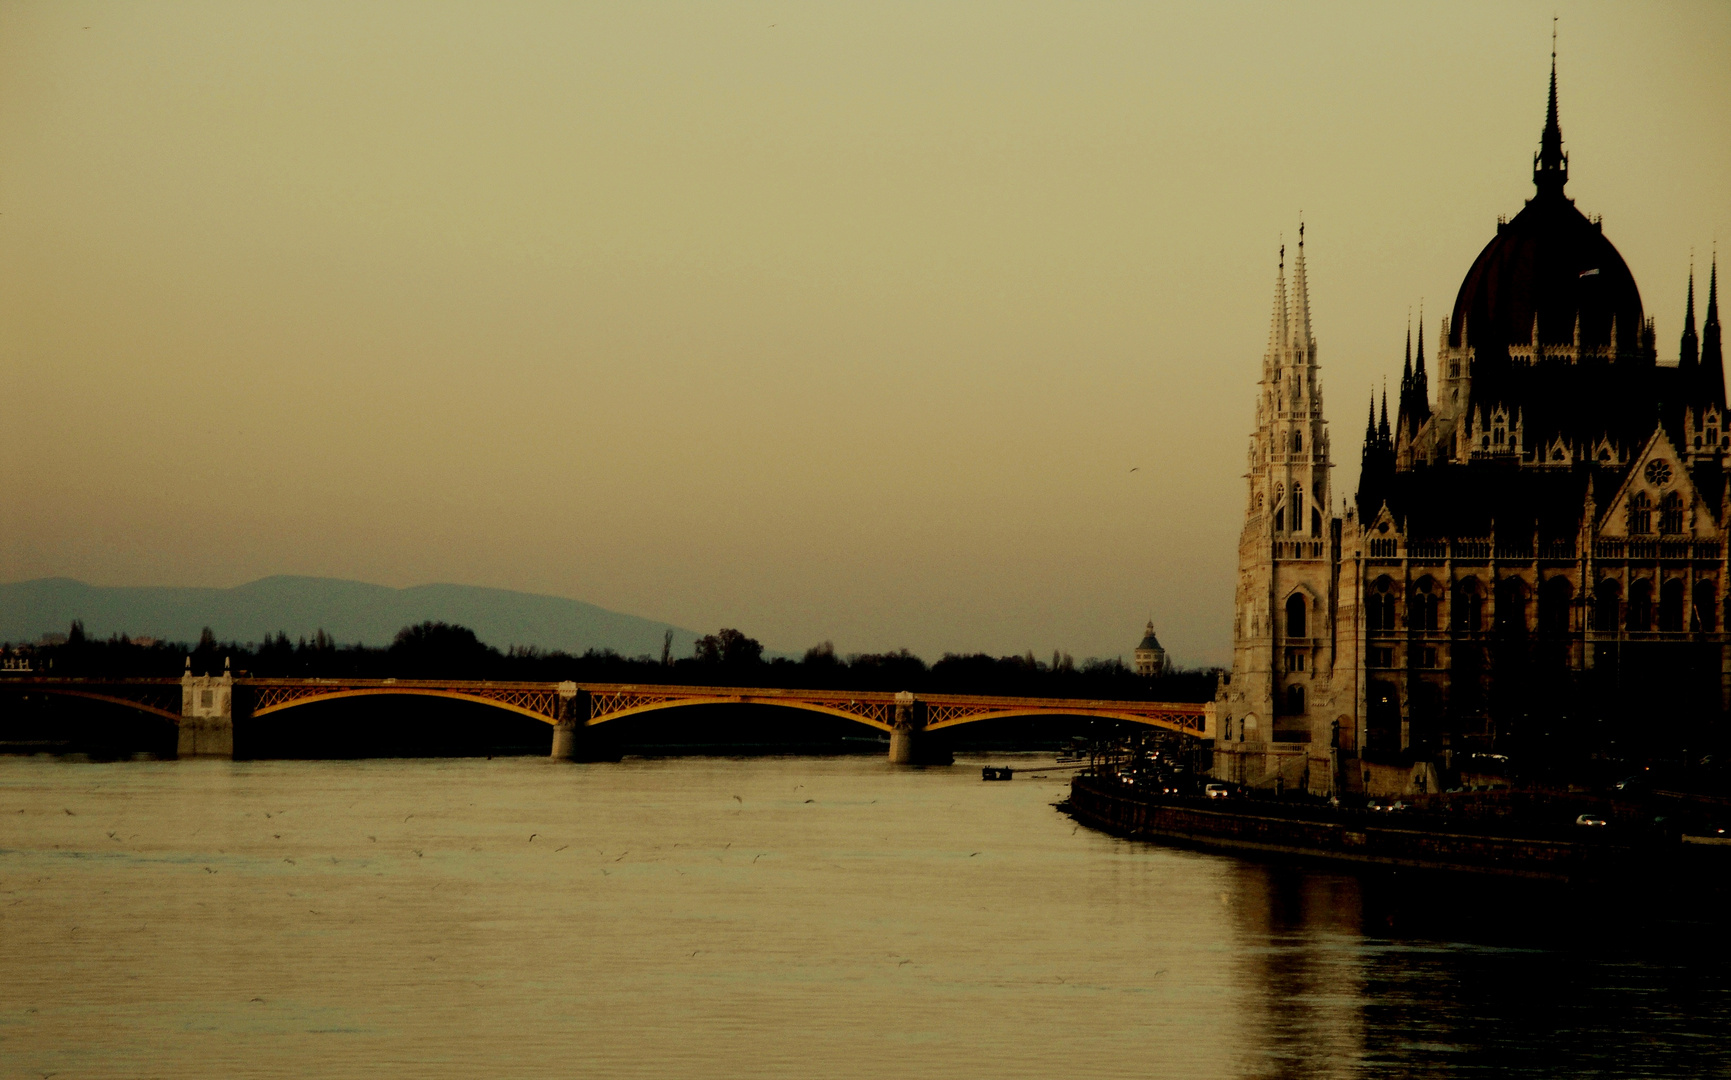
(1535, 562)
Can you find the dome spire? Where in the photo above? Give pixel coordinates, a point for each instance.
(1550, 164)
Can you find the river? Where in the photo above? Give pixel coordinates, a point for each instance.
(774, 917)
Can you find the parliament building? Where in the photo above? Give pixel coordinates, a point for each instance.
(1533, 568)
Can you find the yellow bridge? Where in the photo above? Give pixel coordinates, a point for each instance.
(204, 707)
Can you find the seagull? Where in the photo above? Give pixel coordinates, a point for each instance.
(1137, 469)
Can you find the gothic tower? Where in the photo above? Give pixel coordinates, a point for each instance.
(1281, 689)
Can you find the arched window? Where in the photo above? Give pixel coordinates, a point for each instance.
(1641, 606)
(1512, 606)
(1295, 700)
(1379, 604)
(1701, 616)
(1607, 598)
(1279, 507)
(1555, 596)
(1297, 506)
(1422, 609)
(1671, 513)
(1671, 606)
(1297, 441)
(1295, 615)
(1315, 521)
(1469, 607)
(1640, 514)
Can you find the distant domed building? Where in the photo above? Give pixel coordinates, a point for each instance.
(1150, 657)
(1535, 564)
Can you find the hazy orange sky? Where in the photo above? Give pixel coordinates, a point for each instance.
(817, 320)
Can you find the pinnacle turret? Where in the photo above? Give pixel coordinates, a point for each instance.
(1277, 325)
(1689, 351)
(1300, 324)
(1712, 363)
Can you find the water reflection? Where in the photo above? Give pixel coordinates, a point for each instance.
(773, 917)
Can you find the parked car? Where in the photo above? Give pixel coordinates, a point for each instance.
(1591, 820)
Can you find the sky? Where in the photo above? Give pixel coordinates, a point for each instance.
(898, 325)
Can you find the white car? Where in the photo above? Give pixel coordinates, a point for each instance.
(1217, 791)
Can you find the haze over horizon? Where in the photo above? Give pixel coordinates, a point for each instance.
(893, 325)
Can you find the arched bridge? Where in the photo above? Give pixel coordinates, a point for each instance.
(205, 706)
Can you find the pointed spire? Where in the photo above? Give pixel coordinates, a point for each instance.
(1370, 421)
(1406, 368)
(1420, 382)
(1689, 351)
(1550, 164)
(1712, 363)
(1300, 338)
(1277, 327)
(1382, 431)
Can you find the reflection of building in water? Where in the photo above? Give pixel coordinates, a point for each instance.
(1538, 546)
(1299, 963)
(1150, 657)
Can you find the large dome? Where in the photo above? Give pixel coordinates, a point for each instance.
(1549, 261)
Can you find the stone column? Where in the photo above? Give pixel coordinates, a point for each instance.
(907, 730)
(206, 714)
(573, 717)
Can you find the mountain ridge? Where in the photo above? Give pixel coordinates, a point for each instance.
(352, 612)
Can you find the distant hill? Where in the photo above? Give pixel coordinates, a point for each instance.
(349, 611)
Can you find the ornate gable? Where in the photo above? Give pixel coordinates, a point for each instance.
(1656, 480)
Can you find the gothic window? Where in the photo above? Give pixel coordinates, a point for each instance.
(1658, 473)
(1295, 700)
(1498, 437)
(1671, 606)
(1295, 659)
(1298, 442)
(1607, 597)
(1295, 615)
(1380, 614)
(1555, 596)
(1297, 506)
(1670, 511)
(1640, 514)
(1315, 521)
(1641, 606)
(1454, 369)
(1423, 609)
(1512, 606)
(1701, 616)
(1469, 607)
(1382, 656)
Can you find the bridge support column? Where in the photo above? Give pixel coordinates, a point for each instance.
(909, 743)
(206, 714)
(573, 716)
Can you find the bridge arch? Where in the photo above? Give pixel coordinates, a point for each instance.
(111, 699)
(403, 691)
(743, 699)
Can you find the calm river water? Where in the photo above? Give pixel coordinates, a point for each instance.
(777, 917)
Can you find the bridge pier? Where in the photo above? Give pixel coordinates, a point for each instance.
(573, 717)
(206, 714)
(909, 742)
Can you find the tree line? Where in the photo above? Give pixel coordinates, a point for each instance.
(728, 657)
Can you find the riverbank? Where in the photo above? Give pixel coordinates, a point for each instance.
(1509, 848)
